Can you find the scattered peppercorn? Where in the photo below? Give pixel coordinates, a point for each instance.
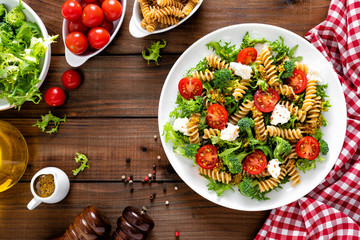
(155, 137)
(158, 157)
(167, 203)
(131, 190)
(128, 160)
(123, 177)
(149, 175)
(144, 149)
(131, 181)
(164, 189)
(152, 196)
(146, 178)
(176, 188)
(154, 167)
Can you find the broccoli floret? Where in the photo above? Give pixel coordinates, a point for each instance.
(222, 78)
(191, 150)
(288, 70)
(249, 42)
(15, 17)
(2, 11)
(245, 124)
(324, 147)
(283, 147)
(233, 162)
(6, 34)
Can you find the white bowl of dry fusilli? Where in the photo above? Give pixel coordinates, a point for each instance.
(157, 16)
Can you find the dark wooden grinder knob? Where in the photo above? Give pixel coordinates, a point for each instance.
(133, 225)
(89, 224)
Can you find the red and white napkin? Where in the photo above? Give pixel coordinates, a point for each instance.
(332, 209)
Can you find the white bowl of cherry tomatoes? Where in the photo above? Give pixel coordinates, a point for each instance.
(89, 26)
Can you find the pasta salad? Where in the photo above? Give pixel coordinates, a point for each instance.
(250, 117)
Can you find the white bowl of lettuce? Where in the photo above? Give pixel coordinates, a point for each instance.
(24, 56)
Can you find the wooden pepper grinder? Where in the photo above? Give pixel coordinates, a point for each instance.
(89, 224)
(133, 225)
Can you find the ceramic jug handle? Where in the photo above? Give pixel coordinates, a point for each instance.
(33, 204)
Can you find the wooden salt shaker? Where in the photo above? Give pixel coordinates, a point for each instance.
(133, 225)
(89, 224)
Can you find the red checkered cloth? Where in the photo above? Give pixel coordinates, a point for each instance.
(332, 209)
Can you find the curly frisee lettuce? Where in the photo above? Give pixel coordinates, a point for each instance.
(22, 49)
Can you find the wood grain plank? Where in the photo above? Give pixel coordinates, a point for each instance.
(186, 210)
(106, 142)
(212, 15)
(113, 86)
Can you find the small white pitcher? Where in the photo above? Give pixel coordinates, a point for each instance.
(62, 186)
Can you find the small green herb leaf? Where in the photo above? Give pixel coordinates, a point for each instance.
(154, 52)
(46, 119)
(83, 160)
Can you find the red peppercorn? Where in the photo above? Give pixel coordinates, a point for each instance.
(146, 178)
(177, 234)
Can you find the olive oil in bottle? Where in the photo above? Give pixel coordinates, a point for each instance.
(13, 155)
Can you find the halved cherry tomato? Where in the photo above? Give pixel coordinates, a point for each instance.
(98, 37)
(112, 9)
(308, 147)
(190, 87)
(71, 10)
(76, 42)
(297, 81)
(71, 79)
(92, 16)
(217, 116)
(55, 97)
(255, 162)
(266, 101)
(207, 156)
(247, 56)
(77, 26)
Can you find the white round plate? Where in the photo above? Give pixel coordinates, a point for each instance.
(334, 133)
(45, 63)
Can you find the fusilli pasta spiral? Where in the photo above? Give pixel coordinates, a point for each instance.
(193, 128)
(188, 7)
(302, 66)
(310, 94)
(265, 58)
(208, 133)
(294, 110)
(241, 89)
(260, 131)
(293, 172)
(244, 109)
(314, 112)
(204, 76)
(216, 175)
(268, 184)
(289, 134)
(216, 62)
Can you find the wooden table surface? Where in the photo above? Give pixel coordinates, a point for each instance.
(113, 114)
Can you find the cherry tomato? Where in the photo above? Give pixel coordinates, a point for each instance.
(266, 101)
(55, 97)
(255, 162)
(92, 16)
(247, 56)
(217, 116)
(206, 156)
(108, 25)
(190, 87)
(112, 9)
(297, 81)
(71, 10)
(77, 26)
(308, 147)
(98, 37)
(71, 79)
(84, 3)
(76, 42)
